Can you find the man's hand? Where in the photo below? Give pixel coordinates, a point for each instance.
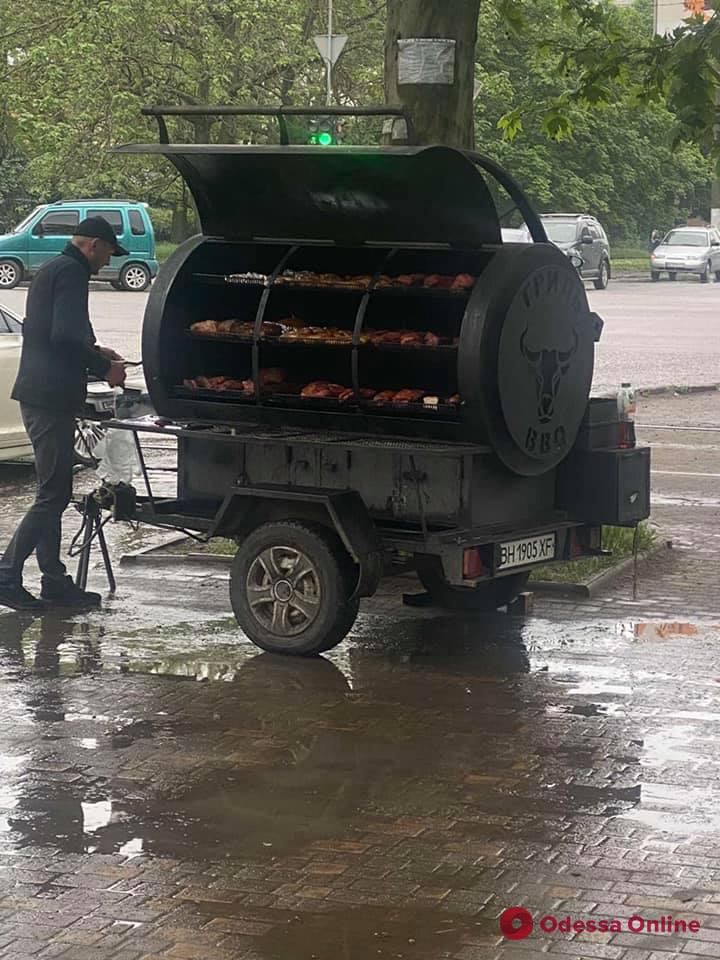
(116, 374)
(109, 353)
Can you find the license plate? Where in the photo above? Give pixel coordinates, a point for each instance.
(521, 553)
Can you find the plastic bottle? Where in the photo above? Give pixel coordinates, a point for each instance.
(626, 407)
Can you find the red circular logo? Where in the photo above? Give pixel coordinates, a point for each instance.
(516, 923)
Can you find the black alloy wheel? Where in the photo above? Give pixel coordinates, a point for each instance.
(290, 588)
(603, 278)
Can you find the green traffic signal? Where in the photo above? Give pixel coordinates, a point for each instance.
(322, 132)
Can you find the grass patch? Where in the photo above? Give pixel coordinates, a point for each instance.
(617, 539)
(217, 547)
(627, 264)
(163, 249)
(618, 252)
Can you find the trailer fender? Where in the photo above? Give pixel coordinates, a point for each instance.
(343, 510)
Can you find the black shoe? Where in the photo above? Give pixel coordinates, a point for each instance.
(64, 593)
(18, 598)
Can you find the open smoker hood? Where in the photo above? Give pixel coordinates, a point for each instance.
(345, 195)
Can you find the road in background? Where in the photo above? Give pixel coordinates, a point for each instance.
(655, 333)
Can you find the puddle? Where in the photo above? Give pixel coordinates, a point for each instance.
(661, 631)
(677, 809)
(375, 932)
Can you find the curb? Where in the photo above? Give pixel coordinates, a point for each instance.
(678, 390)
(596, 584)
(175, 560)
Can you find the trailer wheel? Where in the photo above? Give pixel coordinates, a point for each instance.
(290, 588)
(482, 598)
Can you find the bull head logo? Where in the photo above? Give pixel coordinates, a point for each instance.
(550, 366)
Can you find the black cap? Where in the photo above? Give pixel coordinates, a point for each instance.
(100, 228)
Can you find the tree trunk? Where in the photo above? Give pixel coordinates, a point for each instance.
(441, 113)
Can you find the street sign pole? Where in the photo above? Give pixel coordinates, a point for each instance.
(329, 50)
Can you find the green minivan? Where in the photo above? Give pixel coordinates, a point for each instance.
(44, 233)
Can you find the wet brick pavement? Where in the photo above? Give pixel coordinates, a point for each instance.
(167, 791)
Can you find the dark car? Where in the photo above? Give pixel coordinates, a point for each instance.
(578, 234)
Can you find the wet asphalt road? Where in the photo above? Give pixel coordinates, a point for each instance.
(655, 333)
(168, 791)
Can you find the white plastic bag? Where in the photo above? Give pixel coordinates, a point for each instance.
(119, 461)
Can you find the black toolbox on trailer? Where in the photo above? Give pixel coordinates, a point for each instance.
(361, 372)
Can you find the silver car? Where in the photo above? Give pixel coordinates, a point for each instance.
(688, 250)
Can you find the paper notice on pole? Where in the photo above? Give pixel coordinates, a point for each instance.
(426, 60)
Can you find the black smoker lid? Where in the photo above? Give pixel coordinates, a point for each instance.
(389, 195)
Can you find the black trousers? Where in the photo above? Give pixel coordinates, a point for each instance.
(52, 435)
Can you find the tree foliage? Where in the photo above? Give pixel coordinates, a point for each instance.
(572, 94)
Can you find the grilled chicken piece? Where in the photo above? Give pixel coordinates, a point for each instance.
(348, 394)
(384, 396)
(366, 393)
(321, 388)
(463, 281)
(432, 280)
(386, 336)
(408, 396)
(454, 400)
(431, 340)
(410, 337)
(271, 375)
(205, 327)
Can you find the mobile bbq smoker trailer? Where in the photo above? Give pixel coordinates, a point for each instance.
(359, 373)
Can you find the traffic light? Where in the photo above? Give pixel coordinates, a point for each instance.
(324, 132)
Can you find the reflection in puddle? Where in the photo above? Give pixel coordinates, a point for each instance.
(96, 815)
(661, 631)
(677, 809)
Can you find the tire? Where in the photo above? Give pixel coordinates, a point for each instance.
(654, 276)
(88, 433)
(11, 273)
(706, 274)
(717, 276)
(603, 278)
(116, 285)
(485, 597)
(134, 277)
(672, 276)
(282, 612)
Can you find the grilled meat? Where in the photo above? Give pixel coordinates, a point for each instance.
(408, 396)
(205, 327)
(321, 388)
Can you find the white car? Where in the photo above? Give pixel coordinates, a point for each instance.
(688, 250)
(102, 401)
(14, 442)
